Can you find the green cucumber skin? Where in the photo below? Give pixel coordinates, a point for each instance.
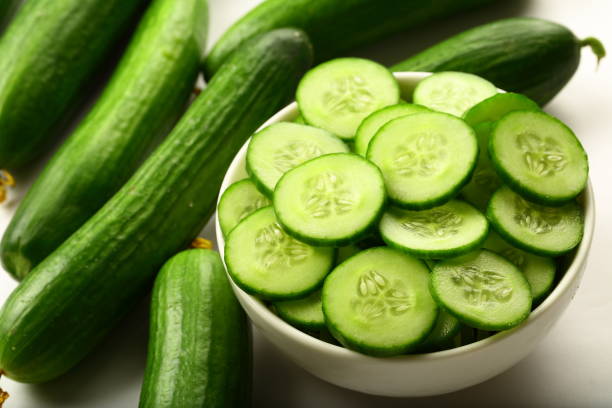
(144, 99)
(199, 351)
(531, 56)
(73, 298)
(7, 11)
(49, 52)
(335, 27)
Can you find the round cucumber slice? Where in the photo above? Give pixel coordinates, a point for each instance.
(376, 120)
(378, 302)
(240, 200)
(332, 200)
(482, 290)
(280, 147)
(337, 95)
(264, 261)
(539, 270)
(449, 230)
(452, 92)
(425, 158)
(547, 231)
(306, 313)
(538, 157)
(494, 108)
(441, 337)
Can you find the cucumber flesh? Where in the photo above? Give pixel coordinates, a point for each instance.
(240, 200)
(452, 92)
(546, 231)
(425, 158)
(449, 230)
(332, 200)
(538, 157)
(306, 313)
(483, 290)
(371, 124)
(264, 261)
(337, 95)
(378, 302)
(495, 107)
(280, 147)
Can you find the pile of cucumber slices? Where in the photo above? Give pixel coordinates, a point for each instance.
(395, 227)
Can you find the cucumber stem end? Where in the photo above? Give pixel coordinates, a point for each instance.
(596, 46)
(3, 394)
(6, 180)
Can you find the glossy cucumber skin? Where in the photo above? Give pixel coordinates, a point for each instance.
(145, 97)
(199, 351)
(334, 26)
(49, 52)
(7, 10)
(74, 297)
(531, 56)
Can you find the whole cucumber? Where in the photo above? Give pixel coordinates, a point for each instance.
(199, 343)
(531, 56)
(68, 303)
(49, 52)
(144, 98)
(334, 26)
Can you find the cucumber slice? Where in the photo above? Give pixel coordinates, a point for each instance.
(425, 158)
(482, 290)
(376, 120)
(299, 119)
(305, 314)
(441, 337)
(539, 270)
(494, 108)
(345, 252)
(538, 157)
(484, 181)
(282, 146)
(378, 302)
(449, 230)
(240, 200)
(264, 261)
(452, 92)
(337, 95)
(332, 200)
(546, 231)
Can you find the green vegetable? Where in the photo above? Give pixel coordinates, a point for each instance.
(335, 27)
(199, 343)
(74, 297)
(49, 53)
(525, 55)
(143, 100)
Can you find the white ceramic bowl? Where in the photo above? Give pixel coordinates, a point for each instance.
(413, 375)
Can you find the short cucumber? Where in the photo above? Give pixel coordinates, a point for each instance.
(449, 230)
(538, 157)
(306, 313)
(240, 200)
(546, 231)
(452, 92)
(337, 95)
(441, 336)
(425, 158)
(482, 290)
(494, 108)
(263, 260)
(280, 147)
(371, 124)
(332, 200)
(378, 302)
(48, 54)
(58, 314)
(539, 270)
(530, 56)
(199, 351)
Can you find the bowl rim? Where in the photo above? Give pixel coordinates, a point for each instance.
(573, 271)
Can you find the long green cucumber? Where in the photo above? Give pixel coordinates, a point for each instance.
(334, 27)
(7, 10)
(531, 56)
(145, 97)
(49, 52)
(69, 302)
(199, 340)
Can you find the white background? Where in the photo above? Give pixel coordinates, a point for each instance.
(572, 367)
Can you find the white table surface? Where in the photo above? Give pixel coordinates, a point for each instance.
(572, 367)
